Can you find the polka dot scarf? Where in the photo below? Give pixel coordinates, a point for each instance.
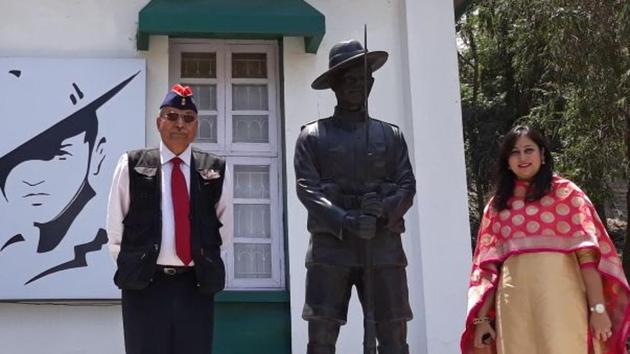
(564, 220)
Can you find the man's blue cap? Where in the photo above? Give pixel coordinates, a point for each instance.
(180, 97)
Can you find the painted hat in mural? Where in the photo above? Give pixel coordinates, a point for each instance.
(347, 54)
(180, 97)
(37, 96)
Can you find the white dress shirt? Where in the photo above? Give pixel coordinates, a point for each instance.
(119, 204)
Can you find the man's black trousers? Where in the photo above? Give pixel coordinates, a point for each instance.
(170, 316)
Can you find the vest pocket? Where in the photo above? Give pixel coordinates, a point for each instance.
(135, 267)
(210, 271)
(138, 227)
(209, 226)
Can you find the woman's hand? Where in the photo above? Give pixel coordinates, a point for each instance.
(481, 330)
(601, 326)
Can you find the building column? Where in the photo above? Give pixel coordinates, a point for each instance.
(439, 251)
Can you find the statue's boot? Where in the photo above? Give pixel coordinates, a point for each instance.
(320, 349)
(402, 348)
(369, 349)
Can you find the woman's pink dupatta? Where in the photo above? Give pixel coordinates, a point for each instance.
(562, 221)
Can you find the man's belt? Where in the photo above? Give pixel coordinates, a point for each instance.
(173, 270)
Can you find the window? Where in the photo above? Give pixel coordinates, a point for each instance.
(235, 84)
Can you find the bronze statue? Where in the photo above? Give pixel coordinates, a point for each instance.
(355, 179)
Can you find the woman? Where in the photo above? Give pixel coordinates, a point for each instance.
(546, 278)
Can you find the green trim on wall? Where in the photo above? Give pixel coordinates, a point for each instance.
(252, 296)
(231, 19)
(247, 328)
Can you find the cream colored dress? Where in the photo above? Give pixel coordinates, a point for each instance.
(541, 305)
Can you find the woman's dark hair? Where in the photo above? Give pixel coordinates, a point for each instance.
(505, 178)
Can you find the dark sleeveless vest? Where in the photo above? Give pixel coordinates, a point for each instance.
(142, 232)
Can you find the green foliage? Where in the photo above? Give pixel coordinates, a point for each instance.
(563, 66)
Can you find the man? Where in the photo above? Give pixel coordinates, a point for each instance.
(354, 178)
(45, 177)
(163, 225)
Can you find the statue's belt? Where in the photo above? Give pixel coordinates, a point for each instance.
(348, 201)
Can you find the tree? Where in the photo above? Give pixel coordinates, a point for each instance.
(563, 66)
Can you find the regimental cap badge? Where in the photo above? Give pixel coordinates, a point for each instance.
(180, 97)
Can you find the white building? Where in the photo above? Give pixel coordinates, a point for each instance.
(251, 64)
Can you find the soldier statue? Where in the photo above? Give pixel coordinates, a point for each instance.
(354, 177)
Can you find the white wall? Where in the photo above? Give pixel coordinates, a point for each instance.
(61, 329)
(81, 29)
(442, 253)
(418, 90)
(85, 29)
(302, 105)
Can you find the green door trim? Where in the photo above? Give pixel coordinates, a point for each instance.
(231, 19)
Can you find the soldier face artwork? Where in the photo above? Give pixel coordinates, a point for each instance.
(49, 161)
(47, 177)
(35, 193)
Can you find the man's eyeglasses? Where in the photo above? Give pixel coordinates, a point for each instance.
(174, 117)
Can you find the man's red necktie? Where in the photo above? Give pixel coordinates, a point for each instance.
(181, 208)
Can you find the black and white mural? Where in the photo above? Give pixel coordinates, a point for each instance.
(64, 123)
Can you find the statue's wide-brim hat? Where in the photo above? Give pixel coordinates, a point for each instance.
(344, 55)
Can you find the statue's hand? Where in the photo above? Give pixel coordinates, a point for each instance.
(363, 226)
(372, 204)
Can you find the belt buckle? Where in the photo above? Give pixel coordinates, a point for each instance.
(169, 271)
